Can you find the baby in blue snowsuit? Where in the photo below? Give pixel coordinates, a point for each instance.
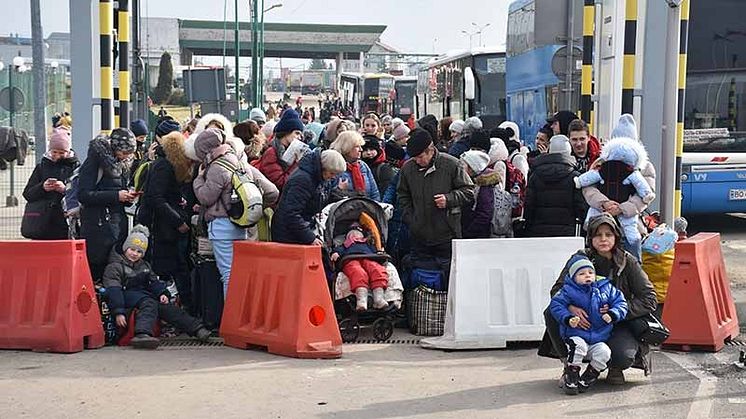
(584, 290)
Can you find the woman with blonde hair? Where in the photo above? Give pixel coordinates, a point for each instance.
(358, 178)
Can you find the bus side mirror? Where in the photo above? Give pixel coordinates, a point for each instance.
(470, 86)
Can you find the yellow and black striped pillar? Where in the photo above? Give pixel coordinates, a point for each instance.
(630, 49)
(106, 20)
(683, 46)
(732, 105)
(124, 63)
(586, 87)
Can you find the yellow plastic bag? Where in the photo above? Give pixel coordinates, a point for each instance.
(264, 226)
(658, 268)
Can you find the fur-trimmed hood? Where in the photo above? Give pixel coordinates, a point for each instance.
(627, 150)
(235, 142)
(488, 178)
(172, 146)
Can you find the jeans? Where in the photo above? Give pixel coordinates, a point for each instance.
(150, 311)
(222, 233)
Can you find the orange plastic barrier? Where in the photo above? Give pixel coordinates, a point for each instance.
(699, 308)
(278, 298)
(47, 299)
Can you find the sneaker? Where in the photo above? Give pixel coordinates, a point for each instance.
(590, 376)
(615, 376)
(143, 341)
(571, 378)
(203, 334)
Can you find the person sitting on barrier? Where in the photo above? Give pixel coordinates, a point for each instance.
(605, 305)
(131, 284)
(46, 188)
(360, 263)
(604, 249)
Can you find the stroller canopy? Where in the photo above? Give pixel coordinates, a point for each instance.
(341, 215)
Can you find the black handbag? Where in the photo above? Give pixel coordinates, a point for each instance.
(649, 329)
(37, 220)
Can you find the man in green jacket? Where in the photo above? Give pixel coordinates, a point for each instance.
(432, 189)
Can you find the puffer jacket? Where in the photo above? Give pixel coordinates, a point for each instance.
(476, 220)
(213, 187)
(102, 219)
(34, 191)
(304, 196)
(553, 205)
(590, 298)
(271, 165)
(428, 224)
(127, 283)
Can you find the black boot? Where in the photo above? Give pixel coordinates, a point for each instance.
(571, 378)
(590, 376)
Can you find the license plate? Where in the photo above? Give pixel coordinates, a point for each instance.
(737, 194)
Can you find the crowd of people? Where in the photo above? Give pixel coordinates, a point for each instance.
(446, 180)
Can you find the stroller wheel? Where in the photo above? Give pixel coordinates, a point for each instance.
(349, 330)
(383, 328)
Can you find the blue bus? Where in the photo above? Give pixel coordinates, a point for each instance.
(714, 159)
(540, 79)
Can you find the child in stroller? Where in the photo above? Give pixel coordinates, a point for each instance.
(362, 264)
(364, 221)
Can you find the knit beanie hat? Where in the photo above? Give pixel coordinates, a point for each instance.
(430, 124)
(122, 139)
(138, 127)
(268, 129)
(401, 131)
(396, 122)
(60, 140)
(512, 129)
(394, 151)
(578, 262)
(498, 151)
(559, 144)
(480, 140)
(258, 115)
(472, 124)
(626, 128)
(289, 122)
(476, 160)
(165, 127)
(137, 239)
(419, 141)
(456, 126)
(386, 119)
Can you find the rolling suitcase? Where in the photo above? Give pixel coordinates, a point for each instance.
(207, 292)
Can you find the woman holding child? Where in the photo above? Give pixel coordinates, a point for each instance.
(604, 249)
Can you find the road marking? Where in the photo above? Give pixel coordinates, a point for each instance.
(703, 399)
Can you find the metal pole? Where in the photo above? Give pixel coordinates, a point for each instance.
(569, 65)
(255, 53)
(40, 82)
(683, 49)
(260, 95)
(138, 111)
(630, 49)
(237, 55)
(106, 16)
(124, 64)
(670, 94)
(586, 85)
(11, 200)
(82, 35)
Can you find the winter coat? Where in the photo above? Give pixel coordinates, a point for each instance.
(590, 298)
(553, 204)
(103, 222)
(397, 243)
(476, 219)
(163, 207)
(13, 145)
(371, 189)
(213, 187)
(383, 172)
(34, 191)
(428, 224)
(304, 195)
(460, 147)
(627, 275)
(633, 206)
(273, 168)
(127, 283)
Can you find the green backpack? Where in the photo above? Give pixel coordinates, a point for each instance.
(245, 209)
(140, 178)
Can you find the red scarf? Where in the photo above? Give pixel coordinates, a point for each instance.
(358, 181)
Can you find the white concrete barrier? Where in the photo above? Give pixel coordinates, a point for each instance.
(498, 290)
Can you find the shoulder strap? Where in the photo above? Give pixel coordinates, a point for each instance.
(225, 164)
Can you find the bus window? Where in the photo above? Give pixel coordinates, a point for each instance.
(489, 71)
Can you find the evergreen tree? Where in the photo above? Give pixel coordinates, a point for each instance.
(165, 80)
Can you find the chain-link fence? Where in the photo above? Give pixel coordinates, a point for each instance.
(14, 177)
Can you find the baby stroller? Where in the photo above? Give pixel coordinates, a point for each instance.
(334, 222)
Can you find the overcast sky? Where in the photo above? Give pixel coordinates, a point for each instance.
(422, 26)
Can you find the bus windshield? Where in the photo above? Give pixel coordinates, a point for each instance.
(489, 71)
(405, 93)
